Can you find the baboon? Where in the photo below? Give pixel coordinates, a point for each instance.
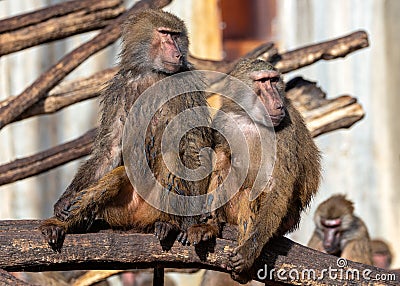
(381, 254)
(296, 171)
(154, 46)
(339, 232)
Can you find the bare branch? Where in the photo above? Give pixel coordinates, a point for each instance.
(329, 50)
(41, 162)
(298, 58)
(56, 22)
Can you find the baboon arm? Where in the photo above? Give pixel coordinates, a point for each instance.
(358, 250)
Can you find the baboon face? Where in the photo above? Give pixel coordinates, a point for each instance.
(154, 41)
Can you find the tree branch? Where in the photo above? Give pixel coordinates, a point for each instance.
(67, 94)
(301, 57)
(329, 50)
(123, 250)
(68, 63)
(48, 159)
(56, 22)
(323, 115)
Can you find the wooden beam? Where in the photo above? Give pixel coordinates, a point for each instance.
(281, 259)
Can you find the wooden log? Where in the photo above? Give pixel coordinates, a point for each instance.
(56, 22)
(329, 50)
(281, 260)
(41, 15)
(48, 159)
(68, 63)
(94, 276)
(323, 115)
(301, 57)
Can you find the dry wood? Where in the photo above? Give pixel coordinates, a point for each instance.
(123, 250)
(301, 57)
(94, 276)
(320, 114)
(38, 16)
(68, 63)
(54, 23)
(329, 50)
(67, 93)
(8, 279)
(48, 159)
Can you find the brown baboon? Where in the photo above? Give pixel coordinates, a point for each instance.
(295, 175)
(381, 254)
(339, 232)
(154, 46)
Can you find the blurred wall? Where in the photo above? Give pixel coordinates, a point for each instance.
(364, 161)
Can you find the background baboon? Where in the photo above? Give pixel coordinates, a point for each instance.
(155, 45)
(381, 254)
(339, 232)
(295, 176)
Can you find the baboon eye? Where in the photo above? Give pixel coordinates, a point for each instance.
(164, 32)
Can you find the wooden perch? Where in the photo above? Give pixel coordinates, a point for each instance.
(321, 116)
(123, 250)
(56, 22)
(68, 63)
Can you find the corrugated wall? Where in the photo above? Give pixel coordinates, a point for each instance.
(362, 162)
